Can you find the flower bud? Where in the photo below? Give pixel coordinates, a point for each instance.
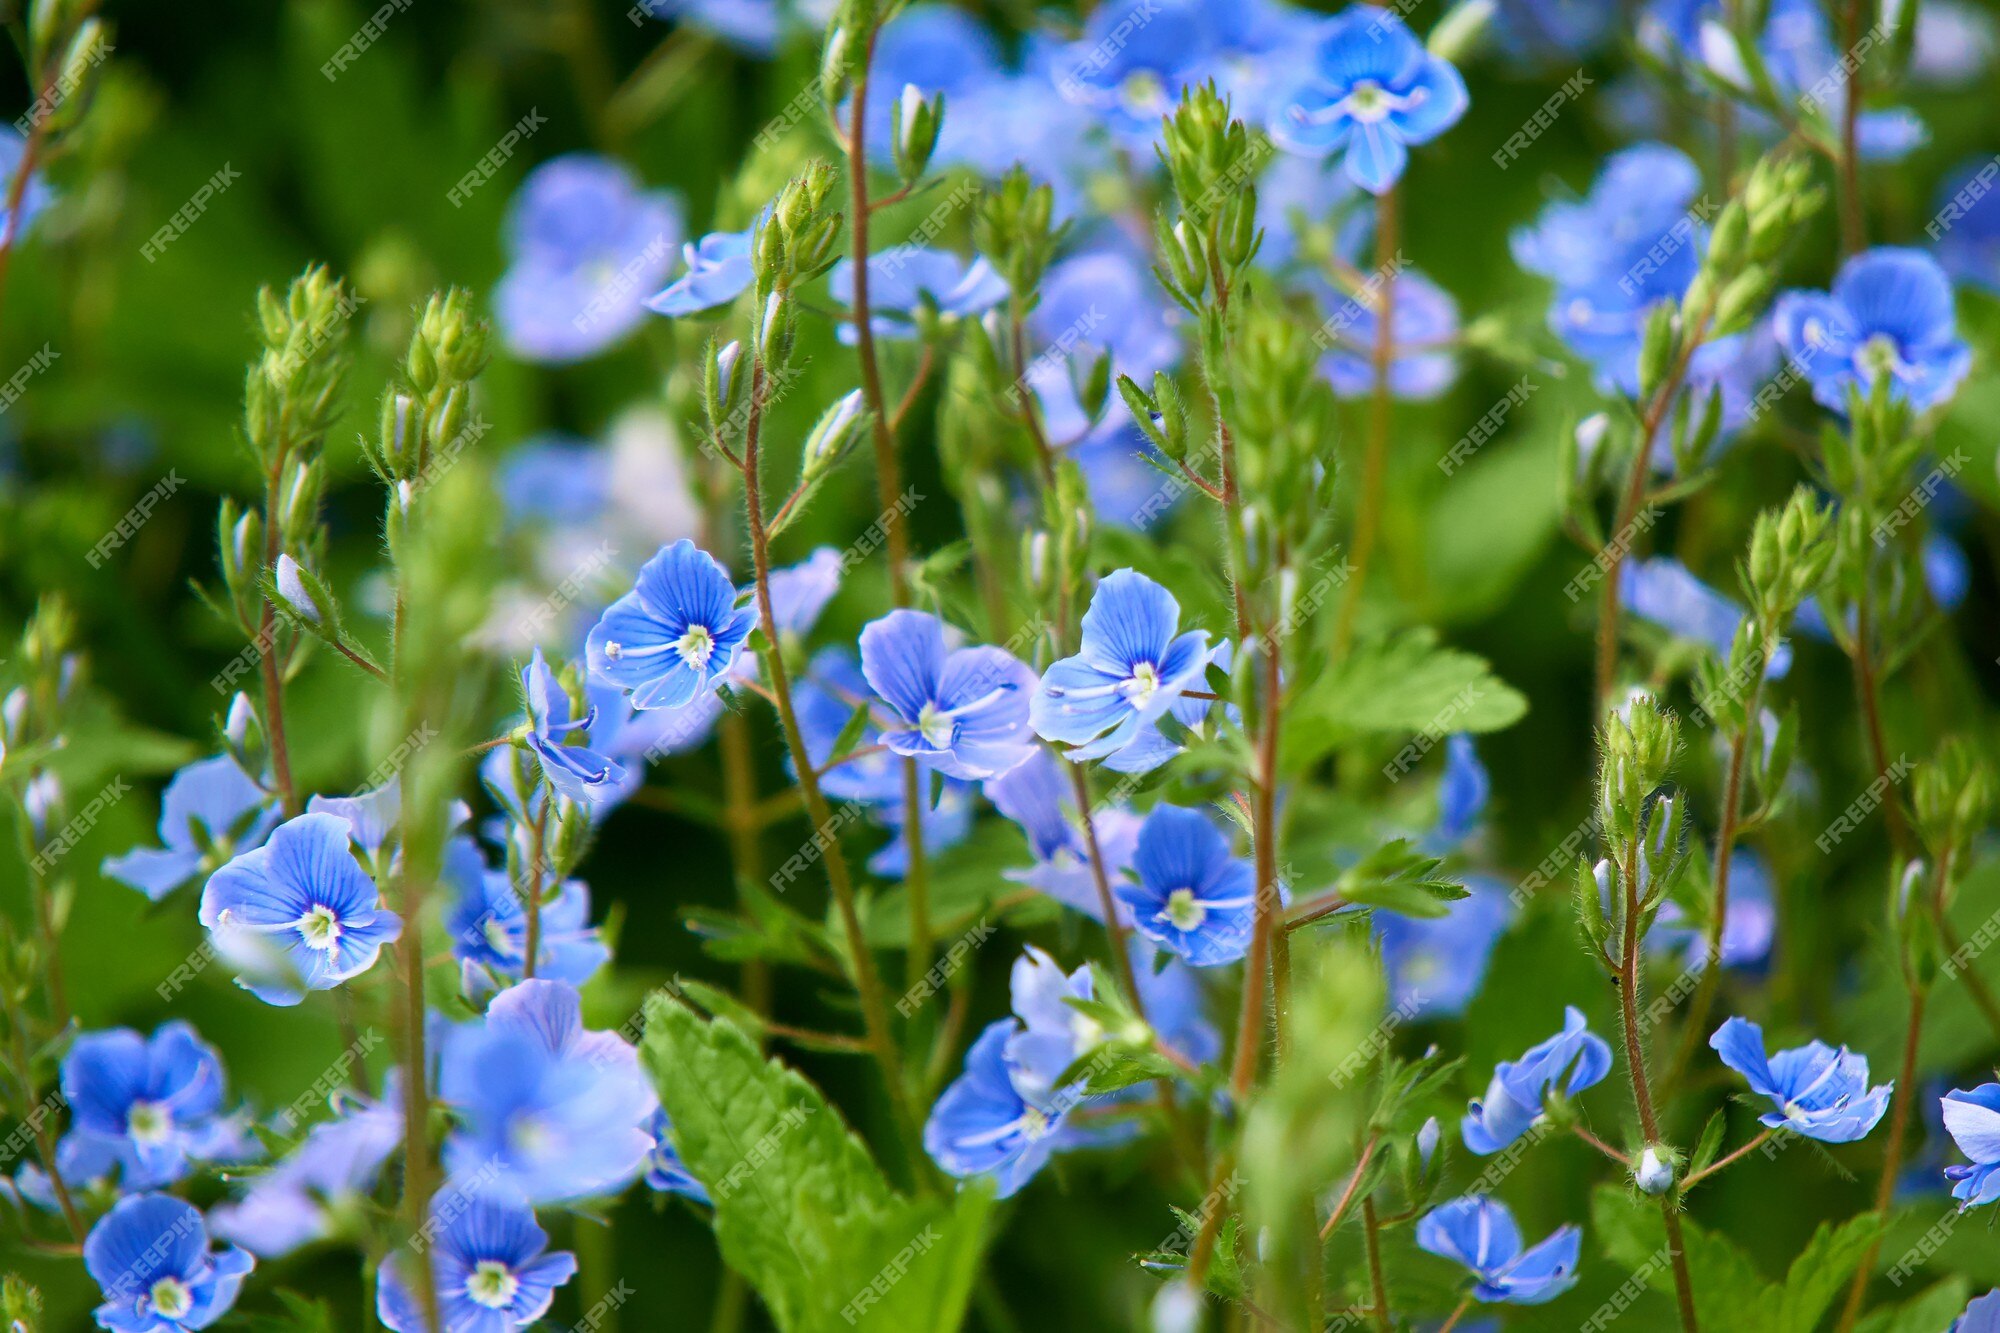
(837, 428)
(915, 129)
(292, 587)
(1654, 1172)
(1427, 1141)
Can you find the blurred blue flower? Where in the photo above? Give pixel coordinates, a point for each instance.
(1640, 192)
(1423, 327)
(585, 245)
(1659, 589)
(946, 823)
(1966, 223)
(1480, 1233)
(1370, 91)
(547, 1109)
(1298, 194)
(1134, 60)
(1039, 796)
(936, 48)
(209, 812)
(963, 713)
(576, 771)
(1954, 44)
(1463, 792)
(558, 479)
(676, 634)
(719, 269)
(35, 194)
(1574, 1059)
(993, 124)
(1192, 897)
(1540, 31)
(1890, 312)
(492, 1271)
(1748, 924)
(372, 816)
(1131, 669)
(665, 1171)
(1981, 1316)
(147, 1106)
(149, 1256)
(489, 926)
(1819, 1092)
(335, 1167)
(1171, 993)
(298, 913)
(906, 281)
(1437, 964)
(1102, 299)
(751, 26)
(1973, 1121)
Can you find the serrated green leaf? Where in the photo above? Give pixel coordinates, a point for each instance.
(1398, 686)
(1728, 1290)
(1822, 1270)
(1932, 1310)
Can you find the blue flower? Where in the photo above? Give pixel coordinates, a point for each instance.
(963, 713)
(1371, 91)
(1193, 897)
(936, 49)
(1135, 58)
(1967, 224)
(1641, 192)
(1130, 671)
(665, 1171)
(1982, 1316)
(1748, 924)
(719, 269)
(585, 244)
(997, 123)
(1661, 590)
(905, 283)
(558, 479)
(751, 26)
(1101, 299)
(149, 1106)
(1543, 30)
(1171, 993)
(149, 1256)
(489, 926)
(299, 1200)
(1436, 964)
(1423, 328)
(576, 771)
(675, 636)
(1973, 1121)
(1463, 792)
(1040, 798)
(1480, 1233)
(491, 1269)
(945, 824)
(1819, 1092)
(1297, 197)
(548, 1109)
(35, 195)
(210, 811)
(1575, 1058)
(1890, 312)
(298, 913)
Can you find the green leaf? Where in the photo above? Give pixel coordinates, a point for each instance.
(1728, 1290)
(1933, 1310)
(850, 734)
(1399, 686)
(801, 1209)
(1821, 1272)
(1399, 877)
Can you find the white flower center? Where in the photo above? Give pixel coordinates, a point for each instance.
(149, 1122)
(1143, 683)
(1876, 356)
(492, 1284)
(1184, 910)
(1143, 90)
(530, 1138)
(1034, 1124)
(695, 646)
(171, 1297)
(320, 929)
(937, 727)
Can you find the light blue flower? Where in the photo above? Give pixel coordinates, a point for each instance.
(963, 713)
(1967, 223)
(1102, 299)
(1193, 898)
(547, 1109)
(149, 1256)
(1463, 792)
(1748, 924)
(301, 1197)
(1660, 589)
(491, 1267)
(575, 770)
(488, 922)
(719, 269)
(1437, 964)
(936, 49)
(557, 479)
(1574, 1059)
(1134, 60)
(1973, 1121)
(1423, 330)
(910, 280)
(1540, 31)
(148, 1107)
(1889, 313)
(1131, 669)
(1818, 1092)
(1640, 193)
(1040, 798)
(665, 1171)
(1371, 91)
(751, 26)
(298, 913)
(675, 636)
(1982, 1316)
(210, 812)
(1480, 1233)
(585, 244)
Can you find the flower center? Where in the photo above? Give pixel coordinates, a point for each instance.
(1144, 90)
(171, 1297)
(695, 646)
(1034, 1124)
(498, 939)
(492, 1285)
(530, 1138)
(149, 1122)
(1368, 102)
(937, 726)
(1876, 357)
(1143, 683)
(1184, 910)
(320, 929)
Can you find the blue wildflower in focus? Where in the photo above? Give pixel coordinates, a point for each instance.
(1889, 313)
(1480, 1233)
(547, 1109)
(1818, 1092)
(1973, 1121)
(1574, 1059)
(665, 1171)
(1371, 90)
(211, 811)
(300, 1199)
(1131, 669)
(35, 194)
(1982, 1316)
(1660, 589)
(149, 1107)
(585, 243)
(1193, 897)
(492, 1269)
(489, 926)
(1437, 964)
(963, 713)
(1039, 796)
(1423, 328)
(675, 636)
(576, 771)
(150, 1257)
(912, 281)
(719, 269)
(298, 913)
